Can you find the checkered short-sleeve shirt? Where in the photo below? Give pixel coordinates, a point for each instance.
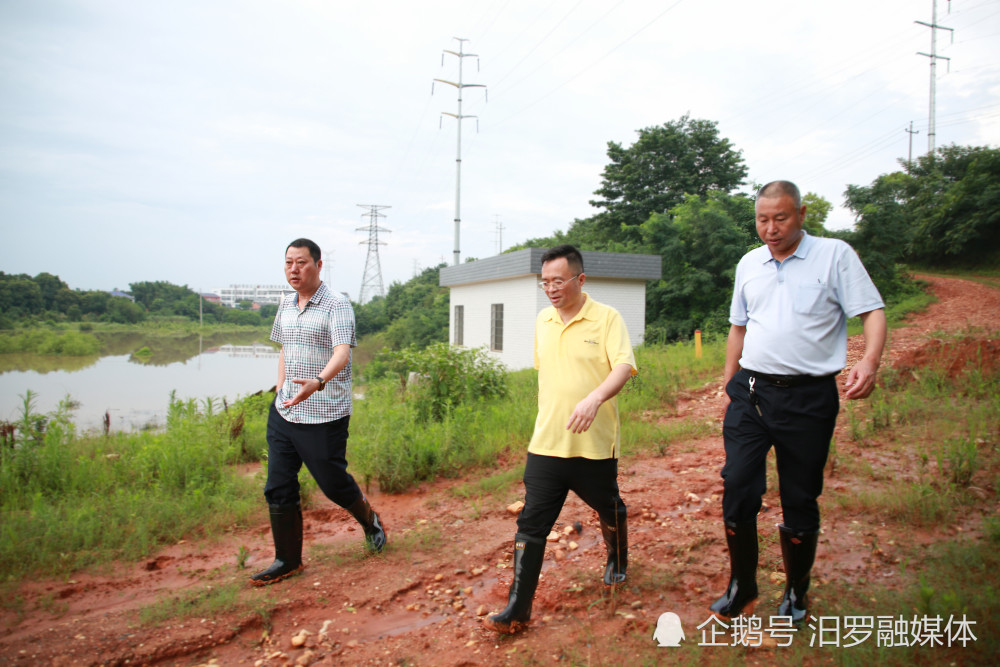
(307, 338)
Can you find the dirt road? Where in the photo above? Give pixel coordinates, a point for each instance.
(421, 602)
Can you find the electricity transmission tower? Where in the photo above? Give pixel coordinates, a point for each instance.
(371, 284)
(933, 55)
(460, 54)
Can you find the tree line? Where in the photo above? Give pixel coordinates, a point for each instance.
(27, 300)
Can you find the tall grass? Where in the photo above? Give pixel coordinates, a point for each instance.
(393, 444)
(68, 500)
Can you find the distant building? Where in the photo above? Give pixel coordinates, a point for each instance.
(494, 301)
(124, 295)
(260, 294)
(211, 297)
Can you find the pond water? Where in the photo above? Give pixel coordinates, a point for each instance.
(134, 389)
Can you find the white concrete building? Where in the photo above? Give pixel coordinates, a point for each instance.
(494, 301)
(260, 294)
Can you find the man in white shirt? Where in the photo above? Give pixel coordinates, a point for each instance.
(788, 341)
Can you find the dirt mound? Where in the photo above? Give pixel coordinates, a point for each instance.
(954, 356)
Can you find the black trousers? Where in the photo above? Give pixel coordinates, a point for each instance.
(549, 479)
(322, 447)
(799, 422)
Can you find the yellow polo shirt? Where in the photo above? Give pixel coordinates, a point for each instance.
(572, 360)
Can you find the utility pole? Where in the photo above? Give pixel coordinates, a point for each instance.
(933, 55)
(460, 54)
(909, 157)
(371, 283)
(499, 230)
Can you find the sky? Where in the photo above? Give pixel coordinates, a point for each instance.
(191, 141)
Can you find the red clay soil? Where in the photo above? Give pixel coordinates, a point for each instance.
(422, 601)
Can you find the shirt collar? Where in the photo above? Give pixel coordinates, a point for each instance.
(317, 295)
(586, 312)
(801, 250)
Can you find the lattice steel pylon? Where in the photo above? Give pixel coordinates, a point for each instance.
(371, 283)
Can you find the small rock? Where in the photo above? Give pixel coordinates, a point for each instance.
(693, 498)
(298, 641)
(306, 658)
(567, 530)
(553, 537)
(573, 546)
(438, 577)
(516, 507)
(559, 554)
(481, 610)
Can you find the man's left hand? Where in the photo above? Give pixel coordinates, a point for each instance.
(583, 415)
(861, 380)
(309, 388)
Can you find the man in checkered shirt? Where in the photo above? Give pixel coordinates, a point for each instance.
(309, 418)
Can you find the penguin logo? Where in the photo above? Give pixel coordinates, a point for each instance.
(668, 630)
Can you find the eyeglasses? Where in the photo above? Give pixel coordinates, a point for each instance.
(554, 284)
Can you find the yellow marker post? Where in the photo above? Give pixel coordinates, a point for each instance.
(697, 344)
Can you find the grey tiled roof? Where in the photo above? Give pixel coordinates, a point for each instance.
(529, 261)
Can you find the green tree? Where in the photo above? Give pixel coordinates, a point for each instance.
(50, 286)
(124, 311)
(267, 311)
(955, 206)
(817, 211)
(682, 157)
(95, 302)
(411, 313)
(20, 296)
(700, 243)
(370, 318)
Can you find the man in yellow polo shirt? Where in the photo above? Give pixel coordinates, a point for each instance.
(584, 358)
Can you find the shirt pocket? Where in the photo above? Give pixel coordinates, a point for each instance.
(809, 298)
(589, 350)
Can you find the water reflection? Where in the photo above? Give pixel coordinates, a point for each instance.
(132, 383)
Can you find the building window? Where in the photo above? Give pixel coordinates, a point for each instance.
(459, 325)
(496, 327)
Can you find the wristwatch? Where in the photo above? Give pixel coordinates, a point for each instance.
(322, 383)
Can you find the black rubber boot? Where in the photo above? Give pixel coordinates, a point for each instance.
(528, 555)
(798, 550)
(375, 537)
(616, 541)
(286, 529)
(741, 595)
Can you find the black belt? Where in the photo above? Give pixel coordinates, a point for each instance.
(790, 380)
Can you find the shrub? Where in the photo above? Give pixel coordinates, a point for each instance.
(444, 377)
